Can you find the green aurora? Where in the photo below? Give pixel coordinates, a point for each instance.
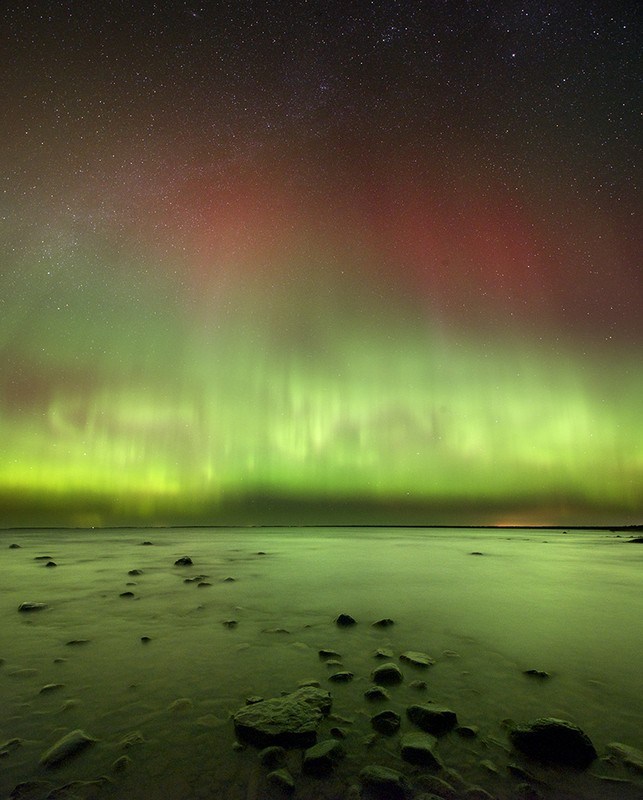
(261, 267)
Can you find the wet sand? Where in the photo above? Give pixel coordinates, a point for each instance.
(153, 665)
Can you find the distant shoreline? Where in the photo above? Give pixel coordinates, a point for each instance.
(607, 528)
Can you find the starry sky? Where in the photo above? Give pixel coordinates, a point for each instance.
(320, 262)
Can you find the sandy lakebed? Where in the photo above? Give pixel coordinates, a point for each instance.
(152, 659)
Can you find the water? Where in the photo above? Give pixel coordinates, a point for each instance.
(569, 604)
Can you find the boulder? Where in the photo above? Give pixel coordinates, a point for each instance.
(184, 561)
(322, 757)
(290, 721)
(345, 620)
(554, 741)
(432, 719)
(417, 748)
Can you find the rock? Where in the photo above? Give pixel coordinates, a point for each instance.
(42, 558)
(387, 674)
(254, 698)
(51, 687)
(201, 584)
(437, 787)
(419, 685)
(131, 740)
(384, 783)
(10, 745)
(51, 564)
(27, 607)
(476, 553)
(29, 790)
(181, 705)
(145, 639)
(554, 741)
(121, 764)
(184, 561)
(536, 673)
(70, 745)
(126, 594)
(341, 677)
(230, 623)
(135, 572)
(322, 757)
(630, 756)
(432, 719)
(273, 756)
(338, 733)
(282, 779)
(333, 662)
(376, 693)
(328, 654)
(383, 623)
(383, 652)
(76, 642)
(387, 722)
(291, 720)
(147, 544)
(417, 748)
(467, 731)
(417, 659)
(476, 793)
(345, 620)
(14, 546)
(635, 540)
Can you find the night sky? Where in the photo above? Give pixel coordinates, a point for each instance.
(321, 262)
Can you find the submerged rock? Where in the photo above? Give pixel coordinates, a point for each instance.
(417, 659)
(554, 741)
(282, 779)
(322, 757)
(432, 719)
(376, 693)
(536, 673)
(345, 620)
(387, 722)
(630, 756)
(273, 756)
(341, 677)
(383, 623)
(384, 783)
(417, 748)
(290, 721)
(27, 607)
(387, 674)
(326, 654)
(65, 748)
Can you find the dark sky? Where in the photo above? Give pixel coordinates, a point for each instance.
(369, 261)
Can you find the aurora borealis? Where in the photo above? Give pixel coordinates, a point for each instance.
(268, 263)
